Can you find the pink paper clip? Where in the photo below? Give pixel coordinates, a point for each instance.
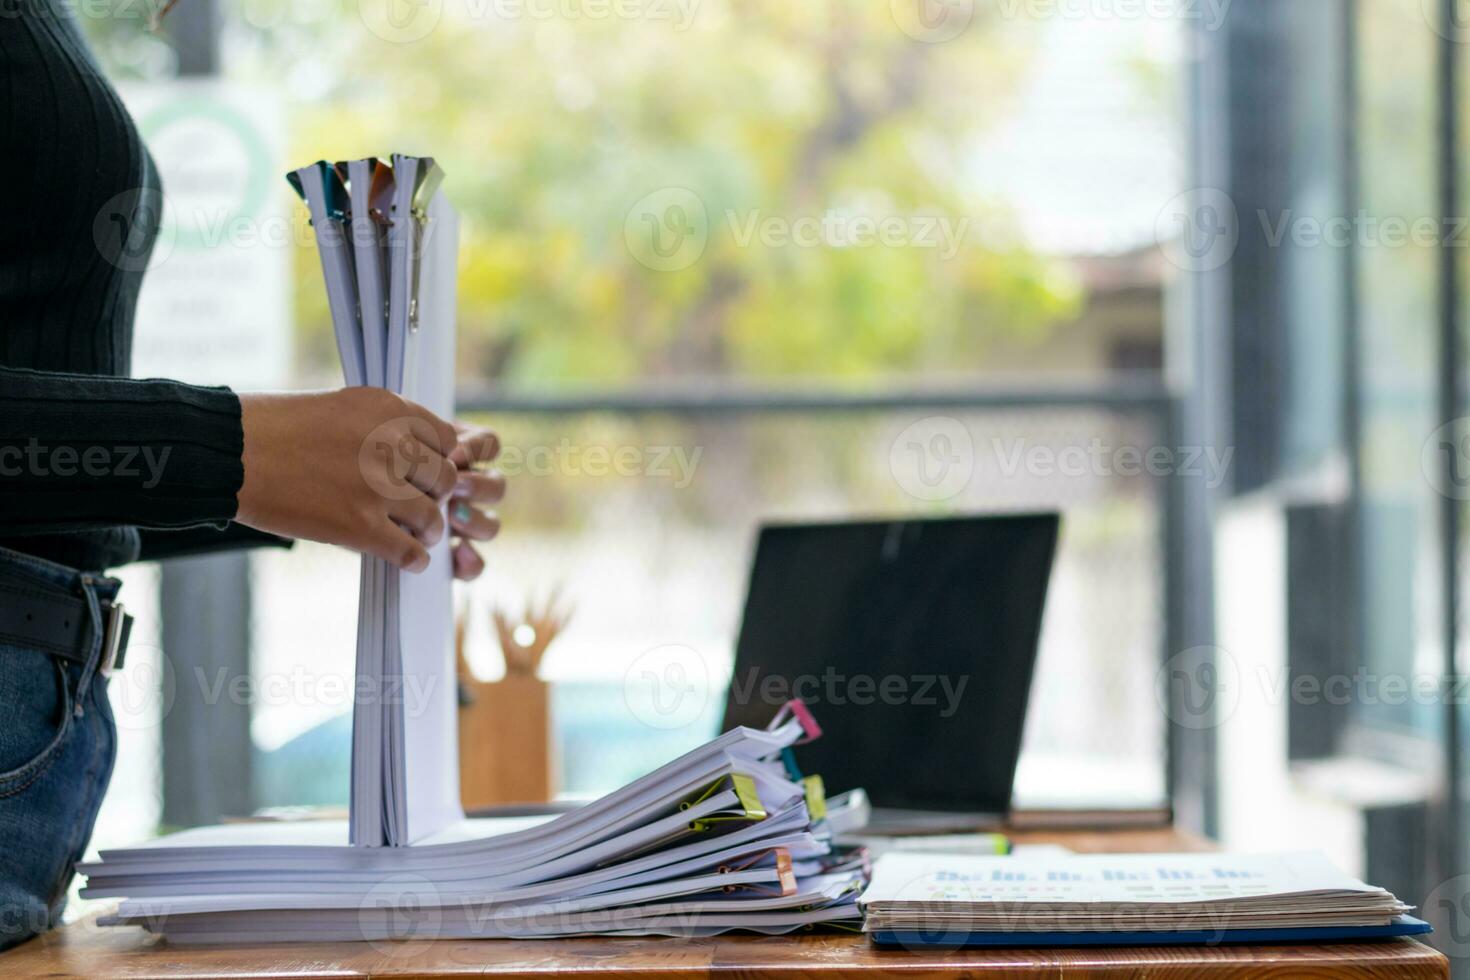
(804, 716)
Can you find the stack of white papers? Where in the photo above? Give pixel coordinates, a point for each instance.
(1118, 893)
(388, 242)
(722, 838)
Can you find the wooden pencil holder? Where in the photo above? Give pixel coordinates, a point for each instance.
(505, 742)
(505, 726)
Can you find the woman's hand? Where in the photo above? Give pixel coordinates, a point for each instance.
(359, 467)
(473, 489)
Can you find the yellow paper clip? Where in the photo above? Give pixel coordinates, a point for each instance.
(748, 799)
(688, 804)
(816, 797)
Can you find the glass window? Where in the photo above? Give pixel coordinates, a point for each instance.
(1314, 273)
(1396, 235)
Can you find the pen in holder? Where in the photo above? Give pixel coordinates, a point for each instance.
(505, 725)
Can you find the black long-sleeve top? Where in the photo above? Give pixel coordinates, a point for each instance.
(87, 455)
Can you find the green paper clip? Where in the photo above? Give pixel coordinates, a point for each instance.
(294, 179)
(338, 202)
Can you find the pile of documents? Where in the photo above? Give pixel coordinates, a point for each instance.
(723, 838)
(927, 899)
(729, 836)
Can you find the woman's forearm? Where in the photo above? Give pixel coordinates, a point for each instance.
(79, 451)
(358, 467)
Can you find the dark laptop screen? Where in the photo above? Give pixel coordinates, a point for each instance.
(913, 641)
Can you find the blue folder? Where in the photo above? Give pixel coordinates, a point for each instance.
(1404, 925)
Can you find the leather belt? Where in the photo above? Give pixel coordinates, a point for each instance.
(60, 624)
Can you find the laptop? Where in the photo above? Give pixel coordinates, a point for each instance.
(914, 642)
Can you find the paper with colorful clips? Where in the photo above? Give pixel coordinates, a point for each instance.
(722, 838)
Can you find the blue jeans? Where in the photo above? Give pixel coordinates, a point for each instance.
(57, 745)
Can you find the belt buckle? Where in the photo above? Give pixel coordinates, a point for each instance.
(114, 639)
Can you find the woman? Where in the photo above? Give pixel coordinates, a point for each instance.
(97, 470)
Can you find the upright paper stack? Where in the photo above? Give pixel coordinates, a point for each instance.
(388, 242)
(729, 836)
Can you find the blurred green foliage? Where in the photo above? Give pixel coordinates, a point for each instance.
(553, 122)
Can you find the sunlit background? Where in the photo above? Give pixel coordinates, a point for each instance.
(783, 261)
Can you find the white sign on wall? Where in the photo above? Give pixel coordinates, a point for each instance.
(215, 303)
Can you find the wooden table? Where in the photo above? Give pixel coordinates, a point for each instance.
(84, 949)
